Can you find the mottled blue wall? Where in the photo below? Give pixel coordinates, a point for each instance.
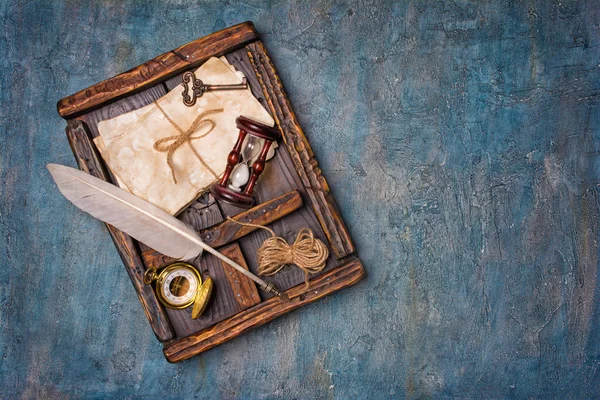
(462, 141)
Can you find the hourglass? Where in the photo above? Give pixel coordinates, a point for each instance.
(251, 149)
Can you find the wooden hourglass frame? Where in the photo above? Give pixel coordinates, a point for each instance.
(222, 190)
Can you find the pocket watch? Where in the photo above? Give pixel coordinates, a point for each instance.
(177, 284)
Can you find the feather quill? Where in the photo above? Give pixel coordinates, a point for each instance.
(136, 217)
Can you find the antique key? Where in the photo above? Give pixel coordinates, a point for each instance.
(199, 87)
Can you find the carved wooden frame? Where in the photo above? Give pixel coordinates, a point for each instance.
(319, 197)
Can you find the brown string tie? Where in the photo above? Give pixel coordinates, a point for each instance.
(185, 137)
(307, 253)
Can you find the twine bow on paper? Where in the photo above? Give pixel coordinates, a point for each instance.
(307, 252)
(185, 137)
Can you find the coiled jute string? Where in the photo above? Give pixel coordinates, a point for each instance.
(307, 252)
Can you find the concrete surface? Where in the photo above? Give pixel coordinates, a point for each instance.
(461, 140)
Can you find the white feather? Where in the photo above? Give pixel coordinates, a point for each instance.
(137, 217)
(127, 212)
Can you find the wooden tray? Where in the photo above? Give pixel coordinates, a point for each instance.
(292, 194)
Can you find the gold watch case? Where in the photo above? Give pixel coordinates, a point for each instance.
(152, 275)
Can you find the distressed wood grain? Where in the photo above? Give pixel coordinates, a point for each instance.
(336, 279)
(89, 161)
(302, 155)
(232, 292)
(280, 175)
(228, 231)
(244, 290)
(157, 70)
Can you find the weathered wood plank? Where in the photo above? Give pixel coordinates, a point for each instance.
(263, 214)
(239, 59)
(299, 149)
(89, 161)
(334, 280)
(203, 213)
(226, 299)
(157, 70)
(244, 290)
(227, 231)
(174, 82)
(277, 179)
(224, 302)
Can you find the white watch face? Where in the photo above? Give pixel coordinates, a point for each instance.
(179, 286)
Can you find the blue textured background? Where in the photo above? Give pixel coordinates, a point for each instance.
(461, 140)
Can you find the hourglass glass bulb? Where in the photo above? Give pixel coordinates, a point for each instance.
(251, 149)
(239, 177)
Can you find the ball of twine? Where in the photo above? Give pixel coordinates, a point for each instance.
(307, 253)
